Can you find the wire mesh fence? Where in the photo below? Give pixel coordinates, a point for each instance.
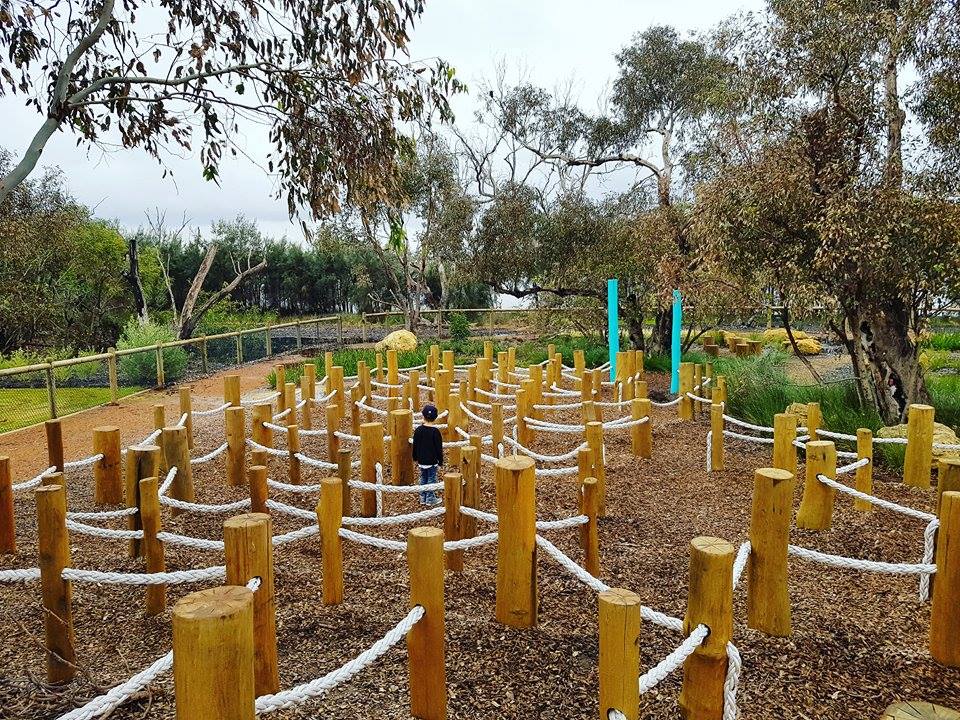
(24, 399)
(254, 345)
(82, 385)
(221, 353)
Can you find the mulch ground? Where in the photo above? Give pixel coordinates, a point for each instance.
(859, 640)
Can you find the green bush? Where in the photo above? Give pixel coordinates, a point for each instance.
(459, 328)
(943, 341)
(141, 368)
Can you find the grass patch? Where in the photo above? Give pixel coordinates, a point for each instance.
(20, 407)
(943, 341)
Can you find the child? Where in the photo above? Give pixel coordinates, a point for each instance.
(428, 453)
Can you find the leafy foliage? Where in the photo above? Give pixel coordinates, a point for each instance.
(141, 368)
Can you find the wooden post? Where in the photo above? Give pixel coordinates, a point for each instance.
(864, 477)
(257, 477)
(340, 399)
(523, 432)
(709, 602)
(685, 408)
(328, 369)
(331, 413)
(161, 378)
(203, 355)
(516, 603)
(414, 393)
(400, 459)
(159, 423)
(816, 507)
(784, 433)
(722, 385)
(53, 549)
(306, 416)
(768, 599)
(345, 472)
(442, 390)
(231, 390)
(371, 453)
(248, 546)
(584, 471)
(469, 467)
(496, 427)
(54, 435)
(919, 456)
(452, 524)
(641, 436)
(591, 536)
(814, 419)
(594, 438)
(178, 456)
(330, 520)
(108, 484)
(153, 554)
(619, 660)
(290, 402)
(586, 387)
(355, 410)
(143, 461)
(579, 363)
(8, 527)
(697, 388)
(261, 434)
(716, 436)
(186, 406)
(503, 366)
(945, 607)
(51, 390)
(640, 389)
(310, 373)
(588, 411)
(112, 376)
(213, 666)
(236, 444)
(293, 449)
(425, 641)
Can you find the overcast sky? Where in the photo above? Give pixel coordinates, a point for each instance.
(552, 40)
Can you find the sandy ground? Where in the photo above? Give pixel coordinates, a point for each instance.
(859, 640)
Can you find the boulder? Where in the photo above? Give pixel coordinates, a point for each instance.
(800, 410)
(779, 335)
(942, 434)
(806, 346)
(400, 340)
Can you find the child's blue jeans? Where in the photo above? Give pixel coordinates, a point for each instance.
(428, 475)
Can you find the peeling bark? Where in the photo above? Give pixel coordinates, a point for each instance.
(661, 340)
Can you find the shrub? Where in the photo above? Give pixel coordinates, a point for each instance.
(141, 368)
(459, 328)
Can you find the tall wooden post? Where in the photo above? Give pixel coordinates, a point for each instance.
(685, 408)
(709, 602)
(816, 507)
(143, 461)
(213, 665)
(452, 523)
(768, 599)
(919, 456)
(400, 458)
(594, 438)
(310, 373)
(306, 416)
(469, 468)
(340, 399)
(697, 388)
(257, 477)
(53, 549)
(503, 366)
(290, 400)
(293, 449)
(54, 435)
(371, 453)
(345, 472)
(231, 390)
(236, 444)
(330, 520)
(261, 434)
(716, 435)
(248, 546)
(159, 423)
(586, 387)
(814, 420)
(8, 528)
(425, 641)
(864, 477)
(108, 483)
(619, 659)
(496, 427)
(177, 455)
(722, 384)
(413, 393)
(186, 408)
(516, 603)
(523, 432)
(453, 417)
(584, 471)
(331, 413)
(784, 433)
(591, 535)
(153, 553)
(642, 434)
(945, 607)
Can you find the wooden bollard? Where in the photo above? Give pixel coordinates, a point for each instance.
(716, 435)
(496, 427)
(784, 433)
(452, 524)
(332, 418)
(107, 478)
(340, 399)
(586, 387)
(236, 445)
(517, 600)
(345, 472)
(257, 479)
(619, 659)
(330, 520)
(768, 599)
(584, 471)
(588, 411)
(523, 432)
(709, 602)
(591, 535)
(503, 365)
(248, 547)
(453, 417)
(641, 436)
(290, 400)
(231, 389)
(536, 385)
(328, 369)
(597, 384)
(401, 462)
(53, 549)
(864, 478)
(697, 388)
(8, 527)
(159, 423)
(945, 607)
(143, 461)
(722, 384)
(448, 361)
(948, 479)
(186, 408)
(213, 666)
(919, 456)
(178, 455)
(354, 411)
(413, 392)
(594, 438)
(685, 407)
(54, 435)
(371, 453)
(293, 449)
(393, 372)
(579, 363)
(153, 553)
(816, 507)
(261, 434)
(306, 417)
(469, 466)
(425, 641)
(310, 373)
(640, 389)
(814, 420)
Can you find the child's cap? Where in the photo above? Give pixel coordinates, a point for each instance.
(429, 412)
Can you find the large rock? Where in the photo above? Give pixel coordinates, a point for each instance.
(806, 346)
(779, 335)
(400, 340)
(942, 434)
(800, 410)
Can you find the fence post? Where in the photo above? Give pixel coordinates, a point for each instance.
(186, 407)
(248, 546)
(586, 387)
(333, 442)
(768, 598)
(425, 641)
(685, 407)
(54, 435)
(306, 419)
(588, 411)
(310, 373)
(503, 366)
(363, 330)
(371, 453)
(153, 553)
(330, 520)
(290, 400)
(108, 484)
(112, 375)
(864, 477)
(709, 602)
(453, 418)
(784, 433)
(619, 659)
(299, 335)
(340, 399)
(269, 341)
(213, 674)
(579, 363)
(354, 410)
(641, 436)
(53, 548)
(257, 477)
(413, 389)
(919, 456)
(261, 434)
(143, 461)
(816, 507)
(178, 456)
(8, 528)
(591, 536)
(280, 385)
(231, 390)
(496, 427)
(584, 471)
(345, 472)
(159, 423)
(378, 367)
(516, 603)
(340, 330)
(722, 384)
(51, 391)
(814, 420)
(716, 436)
(697, 388)
(236, 444)
(239, 348)
(452, 518)
(203, 355)
(469, 465)
(400, 458)
(945, 607)
(523, 432)
(293, 449)
(594, 438)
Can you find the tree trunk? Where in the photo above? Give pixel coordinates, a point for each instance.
(886, 359)
(661, 340)
(136, 284)
(896, 117)
(631, 310)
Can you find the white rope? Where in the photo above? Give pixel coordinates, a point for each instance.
(286, 487)
(473, 416)
(282, 414)
(562, 524)
(276, 428)
(103, 514)
(386, 385)
(209, 456)
(669, 403)
(25, 575)
(625, 422)
(346, 436)
(844, 469)
(291, 510)
(748, 438)
(177, 577)
(563, 406)
(295, 535)
(300, 404)
(83, 463)
(314, 462)
(108, 533)
(709, 451)
(151, 437)
(886, 504)
(373, 541)
(471, 542)
(546, 458)
(864, 565)
(556, 472)
(554, 427)
(375, 411)
(361, 485)
(945, 446)
(33, 482)
(187, 541)
(835, 435)
(478, 514)
(396, 519)
(322, 685)
(699, 399)
(749, 426)
(256, 401)
(268, 450)
(929, 533)
(570, 566)
(674, 660)
(662, 619)
(732, 683)
(379, 468)
(312, 433)
(118, 695)
(167, 481)
(202, 508)
(740, 562)
(891, 440)
(213, 411)
(182, 422)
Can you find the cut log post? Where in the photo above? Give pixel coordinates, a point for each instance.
(306, 416)
(330, 520)
(594, 438)
(697, 388)
(153, 553)
(470, 469)
(54, 435)
(340, 399)
(452, 519)
(107, 477)
(591, 534)
(584, 471)
(945, 608)
(178, 455)
(496, 428)
(768, 598)
(685, 407)
(8, 527)
(619, 658)
(261, 434)
(642, 435)
(919, 456)
(257, 477)
(345, 473)
(425, 641)
(586, 387)
(814, 420)
(453, 418)
(186, 408)
(159, 423)
(371, 453)
(864, 477)
(290, 400)
(310, 373)
(331, 417)
(236, 445)
(143, 461)
(716, 435)
(579, 363)
(231, 390)
(784, 434)
(293, 449)
(53, 549)
(816, 507)
(516, 600)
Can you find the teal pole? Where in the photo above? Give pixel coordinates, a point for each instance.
(613, 326)
(675, 346)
